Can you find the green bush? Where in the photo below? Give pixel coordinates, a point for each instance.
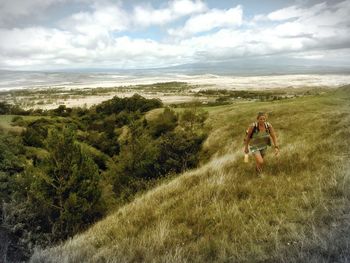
(18, 120)
(61, 194)
(132, 104)
(179, 151)
(192, 119)
(165, 122)
(36, 132)
(5, 108)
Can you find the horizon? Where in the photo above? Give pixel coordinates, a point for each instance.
(13, 80)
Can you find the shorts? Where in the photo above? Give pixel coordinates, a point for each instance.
(257, 151)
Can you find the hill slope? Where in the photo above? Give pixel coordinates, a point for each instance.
(223, 212)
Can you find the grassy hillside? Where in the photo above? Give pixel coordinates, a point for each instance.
(222, 212)
(5, 124)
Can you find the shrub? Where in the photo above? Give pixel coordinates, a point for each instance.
(5, 108)
(132, 104)
(179, 151)
(165, 122)
(36, 133)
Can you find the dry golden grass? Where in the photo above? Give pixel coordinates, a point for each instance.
(222, 212)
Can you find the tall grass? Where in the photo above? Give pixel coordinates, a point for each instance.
(222, 212)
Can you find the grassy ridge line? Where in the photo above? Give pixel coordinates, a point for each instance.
(221, 212)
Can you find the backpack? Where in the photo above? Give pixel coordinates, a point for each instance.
(256, 129)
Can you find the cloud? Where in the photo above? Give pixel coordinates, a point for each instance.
(291, 12)
(147, 15)
(286, 13)
(186, 7)
(111, 17)
(310, 56)
(20, 42)
(103, 19)
(54, 48)
(141, 53)
(15, 8)
(14, 12)
(327, 25)
(98, 36)
(321, 28)
(212, 19)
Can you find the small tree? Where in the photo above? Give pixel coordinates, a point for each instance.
(193, 119)
(60, 195)
(70, 186)
(12, 163)
(36, 132)
(179, 151)
(5, 108)
(165, 122)
(136, 163)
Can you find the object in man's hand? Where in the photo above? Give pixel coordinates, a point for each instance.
(246, 158)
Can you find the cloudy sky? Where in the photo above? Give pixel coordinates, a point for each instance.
(73, 34)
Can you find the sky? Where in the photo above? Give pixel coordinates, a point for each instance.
(134, 34)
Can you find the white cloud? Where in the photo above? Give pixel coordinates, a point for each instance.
(214, 18)
(88, 38)
(109, 17)
(311, 57)
(147, 15)
(141, 52)
(35, 40)
(20, 8)
(48, 48)
(103, 19)
(305, 12)
(320, 27)
(289, 29)
(291, 12)
(187, 7)
(52, 47)
(285, 13)
(14, 11)
(325, 25)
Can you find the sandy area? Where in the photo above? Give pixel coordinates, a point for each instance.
(206, 81)
(216, 81)
(271, 82)
(231, 82)
(89, 101)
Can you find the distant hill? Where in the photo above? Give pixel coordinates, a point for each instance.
(298, 211)
(237, 67)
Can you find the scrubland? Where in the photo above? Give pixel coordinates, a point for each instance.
(296, 211)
